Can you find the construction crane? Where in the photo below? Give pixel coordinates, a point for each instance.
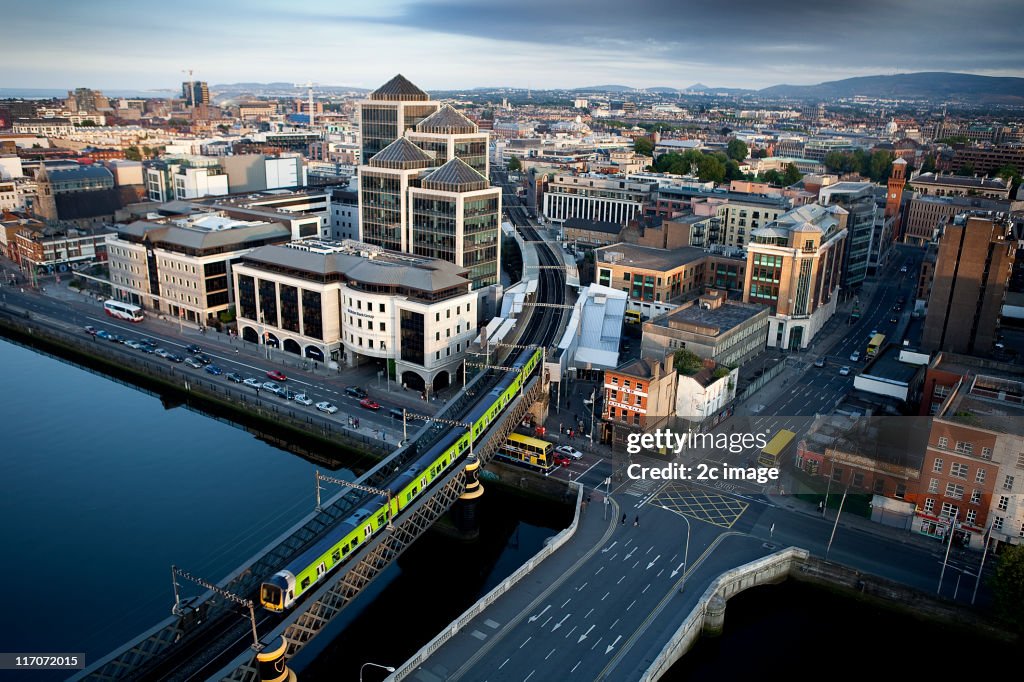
(309, 85)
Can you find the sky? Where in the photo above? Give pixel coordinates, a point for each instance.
(539, 44)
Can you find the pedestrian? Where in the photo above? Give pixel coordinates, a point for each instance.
(636, 521)
(623, 519)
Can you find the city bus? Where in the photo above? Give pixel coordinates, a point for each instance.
(633, 317)
(528, 451)
(874, 344)
(123, 311)
(776, 448)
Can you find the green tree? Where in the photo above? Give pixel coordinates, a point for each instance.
(87, 123)
(1008, 173)
(732, 170)
(133, 154)
(966, 169)
(760, 154)
(880, 166)
(772, 177)
(710, 169)
(1008, 585)
(929, 164)
(514, 165)
(643, 145)
(687, 362)
(737, 149)
(791, 175)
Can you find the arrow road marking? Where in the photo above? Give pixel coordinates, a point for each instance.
(608, 548)
(612, 645)
(676, 572)
(559, 623)
(584, 635)
(653, 561)
(533, 618)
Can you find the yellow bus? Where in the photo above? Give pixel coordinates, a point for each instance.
(528, 451)
(776, 448)
(874, 344)
(633, 317)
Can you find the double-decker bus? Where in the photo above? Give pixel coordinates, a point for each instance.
(633, 317)
(772, 453)
(528, 451)
(874, 344)
(123, 311)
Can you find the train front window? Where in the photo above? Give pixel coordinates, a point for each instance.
(271, 595)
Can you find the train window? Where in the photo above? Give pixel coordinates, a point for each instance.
(355, 541)
(305, 583)
(336, 556)
(344, 550)
(423, 482)
(367, 531)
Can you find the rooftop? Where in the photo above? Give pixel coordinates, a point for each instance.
(988, 402)
(399, 89)
(648, 257)
(592, 225)
(959, 181)
(454, 176)
(403, 155)
(887, 365)
(446, 121)
(204, 237)
(714, 322)
(376, 266)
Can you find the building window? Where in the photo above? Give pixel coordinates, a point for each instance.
(986, 453)
(1020, 461)
(837, 474)
(943, 442)
(901, 491)
(979, 476)
(1004, 502)
(958, 470)
(955, 491)
(636, 419)
(929, 505)
(937, 465)
(933, 485)
(972, 516)
(997, 523)
(615, 381)
(949, 510)
(1008, 483)
(975, 496)
(615, 395)
(964, 448)
(858, 480)
(611, 413)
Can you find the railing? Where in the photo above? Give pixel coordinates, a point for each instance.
(485, 601)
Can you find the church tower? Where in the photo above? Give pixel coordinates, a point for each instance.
(897, 179)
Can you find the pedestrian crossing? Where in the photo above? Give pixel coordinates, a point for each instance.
(641, 487)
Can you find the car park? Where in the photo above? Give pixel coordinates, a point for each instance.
(329, 408)
(568, 451)
(355, 392)
(214, 370)
(844, 370)
(235, 377)
(254, 382)
(192, 362)
(303, 399)
(277, 375)
(369, 404)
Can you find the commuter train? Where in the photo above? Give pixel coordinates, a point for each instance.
(304, 572)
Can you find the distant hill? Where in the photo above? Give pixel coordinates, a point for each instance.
(281, 87)
(933, 85)
(605, 88)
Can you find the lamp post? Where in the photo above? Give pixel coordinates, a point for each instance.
(686, 551)
(375, 665)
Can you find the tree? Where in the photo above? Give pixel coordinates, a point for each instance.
(643, 145)
(87, 123)
(772, 177)
(133, 154)
(732, 171)
(1008, 173)
(791, 175)
(880, 166)
(514, 165)
(710, 169)
(929, 164)
(966, 169)
(737, 149)
(760, 154)
(687, 362)
(1008, 585)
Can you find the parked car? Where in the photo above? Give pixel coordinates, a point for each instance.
(254, 382)
(193, 348)
(162, 352)
(277, 375)
(116, 338)
(174, 357)
(286, 393)
(214, 370)
(329, 408)
(369, 404)
(271, 386)
(396, 414)
(235, 377)
(903, 269)
(89, 329)
(303, 399)
(820, 362)
(355, 392)
(844, 370)
(568, 451)
(193, 363)
(855, 356)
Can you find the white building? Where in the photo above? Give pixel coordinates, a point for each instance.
(192, 183)
(353, 303)
(595, 197)
(702, 395)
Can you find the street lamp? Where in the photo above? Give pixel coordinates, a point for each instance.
(686, 552)
(375, 665)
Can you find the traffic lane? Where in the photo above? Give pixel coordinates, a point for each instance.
(582, 625)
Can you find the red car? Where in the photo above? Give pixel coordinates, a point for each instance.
(369, 404)
(562, 460)
(277, 375)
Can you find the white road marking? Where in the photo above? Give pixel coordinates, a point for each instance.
(566, 602)
(577, 589)
(631, 605)
(503, 664)
(576, 666)
(549, 654)
(646, 588)
(611, 646)
(533, 618)
(588, 613)
(584, 635)
(525, 643)
(559, 623)
(621, 579)
(605, 596)
(609, 547)
(653, 561)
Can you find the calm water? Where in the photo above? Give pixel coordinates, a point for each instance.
(105, 487)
